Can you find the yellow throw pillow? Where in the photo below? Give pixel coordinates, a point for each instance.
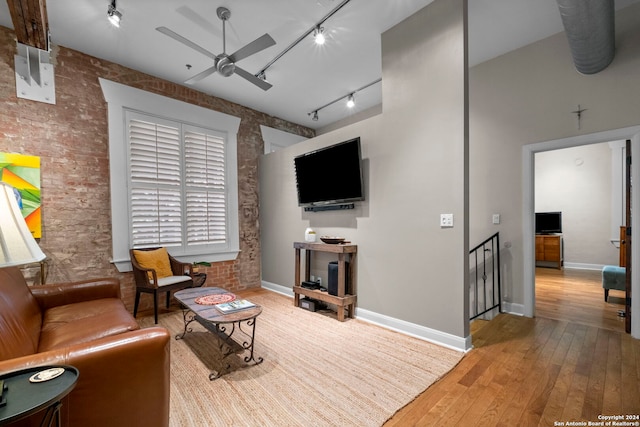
(157, 259)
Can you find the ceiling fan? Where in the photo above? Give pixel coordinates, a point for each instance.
(223, 63)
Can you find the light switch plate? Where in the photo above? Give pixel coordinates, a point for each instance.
(446, 220)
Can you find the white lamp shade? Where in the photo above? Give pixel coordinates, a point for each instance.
(17, 245)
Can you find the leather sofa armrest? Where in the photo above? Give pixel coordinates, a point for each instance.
(72, 292)
(124, 379)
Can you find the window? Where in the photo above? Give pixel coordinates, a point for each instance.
(177, 182)
(173, 177)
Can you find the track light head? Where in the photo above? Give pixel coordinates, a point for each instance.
(351, 102)
(113, 14)
(318, 35)
(314, 115)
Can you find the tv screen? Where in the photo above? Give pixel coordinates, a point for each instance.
(330, 175)
(548, 222)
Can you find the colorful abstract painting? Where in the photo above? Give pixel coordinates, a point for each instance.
(23, 173)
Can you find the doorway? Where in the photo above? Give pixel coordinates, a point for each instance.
(579, 200)
(528, 205)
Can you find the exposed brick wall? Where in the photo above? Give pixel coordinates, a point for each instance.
(72, 141)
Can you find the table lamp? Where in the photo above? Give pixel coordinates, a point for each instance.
(17, 245)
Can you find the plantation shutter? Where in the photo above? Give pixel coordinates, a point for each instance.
(155, 176)
(205, 182)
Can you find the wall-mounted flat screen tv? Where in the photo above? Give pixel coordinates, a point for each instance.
(330, 175)
(548, 222)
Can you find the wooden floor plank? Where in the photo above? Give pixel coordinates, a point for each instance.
(613, 377)
(595, 386)
(630, 388)
(559, 395)
(575, 400)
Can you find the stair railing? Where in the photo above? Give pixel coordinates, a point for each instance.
(485, 287)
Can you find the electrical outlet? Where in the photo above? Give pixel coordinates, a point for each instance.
(312, 278)
(319, 280)
(446, 220)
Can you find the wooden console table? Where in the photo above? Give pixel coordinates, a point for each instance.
(346, 298)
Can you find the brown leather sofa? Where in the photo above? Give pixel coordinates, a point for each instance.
(124, 370)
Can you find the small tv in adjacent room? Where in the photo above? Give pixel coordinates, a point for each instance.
(548, 222)
(330, 176)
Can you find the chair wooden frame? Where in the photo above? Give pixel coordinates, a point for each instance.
(144, 284)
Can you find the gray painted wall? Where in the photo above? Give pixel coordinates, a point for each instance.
(415, 158)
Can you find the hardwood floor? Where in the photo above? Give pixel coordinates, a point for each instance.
(573, 362)
(577, 296)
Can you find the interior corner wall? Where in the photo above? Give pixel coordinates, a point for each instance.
(527, 96)
(414, 155)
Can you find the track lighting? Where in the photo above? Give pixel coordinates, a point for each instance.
(114, 15)
(351, 102)
(318, 35)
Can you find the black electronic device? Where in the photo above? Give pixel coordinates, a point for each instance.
(332, 286)
(309, 304)
(548, 222)
(330, 176)
(310, 285)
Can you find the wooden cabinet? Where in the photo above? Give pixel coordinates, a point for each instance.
(549, 249)
(346, 298)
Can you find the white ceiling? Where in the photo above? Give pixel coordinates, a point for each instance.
(305, 78)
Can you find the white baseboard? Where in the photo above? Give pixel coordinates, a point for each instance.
(583, 266)
(437, 337)
(279, 289)
(513, 308)
(418, 331)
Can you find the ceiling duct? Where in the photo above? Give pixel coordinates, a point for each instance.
(590, 29)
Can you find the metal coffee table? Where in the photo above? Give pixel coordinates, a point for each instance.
(236, 330)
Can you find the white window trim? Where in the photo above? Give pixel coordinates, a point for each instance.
(120, 97)
(276, 139)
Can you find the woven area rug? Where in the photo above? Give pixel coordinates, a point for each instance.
(317, 371)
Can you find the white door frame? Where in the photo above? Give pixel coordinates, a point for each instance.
(528, 207)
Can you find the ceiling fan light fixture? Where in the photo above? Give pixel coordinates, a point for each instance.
(351, 102)
(113, 14)
(318, 35)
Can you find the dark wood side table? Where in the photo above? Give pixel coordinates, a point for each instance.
(198, 279)
(25, 398)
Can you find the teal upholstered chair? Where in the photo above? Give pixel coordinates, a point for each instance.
(613, 277)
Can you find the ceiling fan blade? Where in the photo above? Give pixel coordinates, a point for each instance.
(201, 75)
(255, 46)
(186, 42)
(264, 85)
